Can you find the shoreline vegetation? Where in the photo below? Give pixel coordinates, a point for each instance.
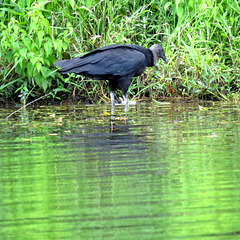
(201, 39)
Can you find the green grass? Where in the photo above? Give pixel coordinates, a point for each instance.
(201, 40)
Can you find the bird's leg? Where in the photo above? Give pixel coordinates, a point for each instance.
(112, 97)
(112, 88)
(124, 83)
(112, 102)
(125, 101)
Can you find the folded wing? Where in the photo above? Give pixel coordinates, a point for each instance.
(118, 61)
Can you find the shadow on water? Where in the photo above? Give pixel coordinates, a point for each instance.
(160, 172)
(119, 141)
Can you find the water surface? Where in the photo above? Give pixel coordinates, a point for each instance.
(163, 171)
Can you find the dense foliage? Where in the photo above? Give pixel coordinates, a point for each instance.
(201, 39)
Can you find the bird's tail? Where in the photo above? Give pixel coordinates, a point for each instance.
(68, 66)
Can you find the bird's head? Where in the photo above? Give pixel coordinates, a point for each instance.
(158, 52)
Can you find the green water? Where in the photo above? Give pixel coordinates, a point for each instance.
(165, 171)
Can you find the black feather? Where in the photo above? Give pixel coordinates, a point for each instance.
(116, 63)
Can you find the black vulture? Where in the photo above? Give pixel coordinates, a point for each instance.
(117, 63)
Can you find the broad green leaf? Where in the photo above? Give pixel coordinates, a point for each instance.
(58, 44)
(167, 5)
(27, 43)
(38, 80)
(38, 66)
(48, 48)
(44, 71)
(30, 69)
(40, 37)
(180, 11)
(65, 46)
(45, 84)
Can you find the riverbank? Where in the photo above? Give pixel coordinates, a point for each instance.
(201, 42)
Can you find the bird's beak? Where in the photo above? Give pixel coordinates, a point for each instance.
(164, 59)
